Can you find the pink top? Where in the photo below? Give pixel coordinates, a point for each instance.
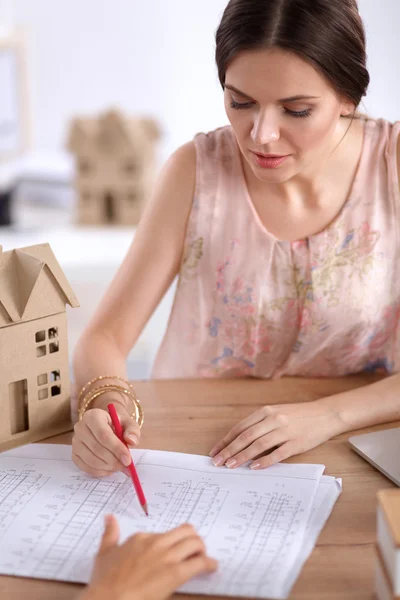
(248, 304)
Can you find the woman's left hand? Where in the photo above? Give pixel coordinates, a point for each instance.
(289, 428)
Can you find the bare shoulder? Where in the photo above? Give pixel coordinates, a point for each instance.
(175, 186)
(185, 155)
(181, 163)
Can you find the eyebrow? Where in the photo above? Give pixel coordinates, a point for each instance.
(290, 99)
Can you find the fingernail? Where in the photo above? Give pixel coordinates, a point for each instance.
(132, 439)
(218, 460)
(126, 460)
(255, 466)
(108, 519)
(231, 463)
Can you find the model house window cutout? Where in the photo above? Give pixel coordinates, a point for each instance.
(43, 394)
(54, 389)
(54, 376)
(42, 379)
(40, 351)
(40, 336)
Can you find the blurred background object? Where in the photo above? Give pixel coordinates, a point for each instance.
(114, 167)
(152, 59)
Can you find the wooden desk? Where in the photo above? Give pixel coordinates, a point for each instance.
(190, 416)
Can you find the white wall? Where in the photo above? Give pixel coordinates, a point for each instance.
(152, 56)
(156, 57)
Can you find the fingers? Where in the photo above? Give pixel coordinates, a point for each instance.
(111, 534)
(92, 455)
(251, 420)
(193, 567)
(259, 446)
(247, 438)
(244, 440)
(131, 431)
(165, 542)
(186, 548)
(177, 535)
(97, 447)
(100, 426)
(282, 453)
(84, 467)
(178, 544)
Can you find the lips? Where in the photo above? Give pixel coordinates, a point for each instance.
(269, 161)
(270, 155)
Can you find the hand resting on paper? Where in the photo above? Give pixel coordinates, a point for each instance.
(286, 429)
(146, 566)
(95, 447)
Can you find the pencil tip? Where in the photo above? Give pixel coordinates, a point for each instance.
(144, 506)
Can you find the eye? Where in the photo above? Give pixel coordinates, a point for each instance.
(239, 105)
(298, 114)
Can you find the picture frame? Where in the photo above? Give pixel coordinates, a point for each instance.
(14, 109)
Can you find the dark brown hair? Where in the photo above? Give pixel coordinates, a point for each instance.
(327, 33)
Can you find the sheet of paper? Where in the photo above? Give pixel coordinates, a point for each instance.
(260, 525)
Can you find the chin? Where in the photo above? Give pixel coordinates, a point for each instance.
(280, 175)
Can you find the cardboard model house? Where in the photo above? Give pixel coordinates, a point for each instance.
(115, 161)
(34, 365)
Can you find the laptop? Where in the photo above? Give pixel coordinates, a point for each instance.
(381, 449)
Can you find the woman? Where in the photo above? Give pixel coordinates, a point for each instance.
(283, 228)
(146, 565)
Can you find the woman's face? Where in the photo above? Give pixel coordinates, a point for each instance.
(285, 115)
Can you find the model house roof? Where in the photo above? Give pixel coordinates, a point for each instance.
(110, 132)
(32, 285)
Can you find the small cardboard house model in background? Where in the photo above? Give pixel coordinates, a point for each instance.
(115, 166)
(34, 364)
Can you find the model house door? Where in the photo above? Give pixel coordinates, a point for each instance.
(109, 208)
(18, 397)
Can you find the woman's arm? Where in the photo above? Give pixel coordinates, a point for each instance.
(373, 404)
(146, 273)
(290, 429)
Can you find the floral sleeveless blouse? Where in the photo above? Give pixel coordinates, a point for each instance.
(248, 304)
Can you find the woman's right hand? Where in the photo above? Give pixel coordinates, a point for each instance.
(148, 566)
(95, 447)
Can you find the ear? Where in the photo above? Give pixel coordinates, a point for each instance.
(348, 107)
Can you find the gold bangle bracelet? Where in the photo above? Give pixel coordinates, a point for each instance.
(137, 413)
(100, 378)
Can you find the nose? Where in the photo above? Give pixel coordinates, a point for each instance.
(265, 129)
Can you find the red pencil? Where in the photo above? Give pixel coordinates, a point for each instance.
(135, 478)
